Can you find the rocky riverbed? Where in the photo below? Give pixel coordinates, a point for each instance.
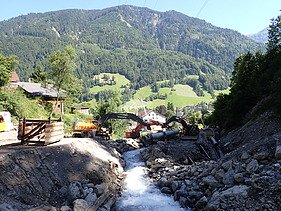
(86, 174)
(247, 177)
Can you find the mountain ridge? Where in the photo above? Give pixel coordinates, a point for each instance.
(138, 41)
(261, 36)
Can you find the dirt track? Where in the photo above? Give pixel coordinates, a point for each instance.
(9, 137)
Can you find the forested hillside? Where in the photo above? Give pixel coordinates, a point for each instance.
(144, 45)
(255, 84)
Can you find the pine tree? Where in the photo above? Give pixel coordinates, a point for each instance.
(274, 33)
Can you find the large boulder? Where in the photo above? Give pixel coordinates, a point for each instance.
(75, 191)
(211, 181)
(80, 205)
(231, 198)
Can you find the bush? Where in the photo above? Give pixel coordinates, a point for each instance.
(20, 106)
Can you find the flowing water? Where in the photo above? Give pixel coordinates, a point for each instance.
(139, 193)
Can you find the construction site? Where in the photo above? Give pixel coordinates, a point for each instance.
(200, 169)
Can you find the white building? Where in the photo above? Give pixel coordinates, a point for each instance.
(152, 115)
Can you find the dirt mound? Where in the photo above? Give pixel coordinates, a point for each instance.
(58, 174)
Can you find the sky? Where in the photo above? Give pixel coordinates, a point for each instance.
(244, 16)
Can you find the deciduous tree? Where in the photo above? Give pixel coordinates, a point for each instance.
(7, 64)
(39, 75)
(111, 105)
(62, 66)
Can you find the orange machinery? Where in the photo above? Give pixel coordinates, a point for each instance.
(135, 133)
(85, 128)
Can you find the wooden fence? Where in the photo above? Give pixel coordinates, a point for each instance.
(40, 131)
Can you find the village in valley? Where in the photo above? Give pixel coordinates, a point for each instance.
(130, 108)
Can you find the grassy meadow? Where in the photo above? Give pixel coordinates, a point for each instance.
(180, 95)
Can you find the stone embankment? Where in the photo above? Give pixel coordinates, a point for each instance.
(73, 174)
(247, 177)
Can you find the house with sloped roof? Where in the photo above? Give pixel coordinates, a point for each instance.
(148, 115)
(48, 93)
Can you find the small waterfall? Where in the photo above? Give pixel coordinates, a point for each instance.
(139, 193)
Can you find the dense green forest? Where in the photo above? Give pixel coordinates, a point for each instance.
(144, 45)
(255, 83)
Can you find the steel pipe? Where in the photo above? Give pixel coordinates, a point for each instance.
(160, 135)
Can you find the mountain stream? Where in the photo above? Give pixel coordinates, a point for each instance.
(139, 193)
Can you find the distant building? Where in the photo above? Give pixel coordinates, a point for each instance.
(152, 115)
(81, 109)
(48, 93)
(197, 108)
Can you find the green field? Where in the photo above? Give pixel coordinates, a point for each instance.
(226, 91)
(143, 93)
(120, 80)
(180, 95)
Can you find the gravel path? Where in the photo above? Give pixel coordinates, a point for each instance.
(9, 137)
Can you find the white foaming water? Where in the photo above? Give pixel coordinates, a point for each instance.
(139, 193)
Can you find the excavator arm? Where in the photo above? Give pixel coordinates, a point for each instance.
(176, 119)
(188, 129)
(104, 118)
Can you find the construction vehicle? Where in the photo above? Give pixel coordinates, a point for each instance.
(104, 118)
(85, 128)
(136, 132)
(187, 129)
(91, 127)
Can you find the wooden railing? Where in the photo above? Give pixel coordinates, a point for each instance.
(40, 131)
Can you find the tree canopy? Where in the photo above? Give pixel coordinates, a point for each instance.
(274, 33)
(256, 78)
(7, 65)
(62, 67)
